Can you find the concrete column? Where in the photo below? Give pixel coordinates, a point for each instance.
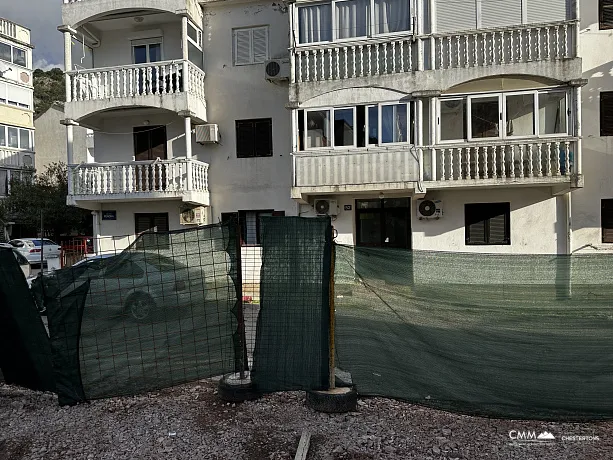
(579, 153)
(96, 226)
(184, 42)
(433, 125)
(70, 157)
(68, 62)
(188, 150)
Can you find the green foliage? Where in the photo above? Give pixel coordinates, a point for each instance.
(47, 192)
(49, 87)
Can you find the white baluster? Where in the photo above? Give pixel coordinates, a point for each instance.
(530, 164)
(402, 42)
(512, 45)
(131, 83)
(477, 162)
(409, 55)
(140, 173)
(548, 38)
(466, 52)
(330, 63)
(557, 35)
(449, 58)
(353, 56)
(503, 161)
(124, 92)
(521, 161)
(468, 162)
(539, 45)
(308, 65)
(476, 49)
(377, 58)
(501, 49)
(105, 93)
(520, 48)
(323, 63)
(557, 162)
(565, 40)
(299, 60)
(494, 161)
(539, 157)
(346, 55)
(368, 52)
(75, 95)
(458, 52)
(394, 56)
(529, 44)
(443, 151)
(512, 163)
(567, 158)
(315, 66)
(441, 45)
(385, 57)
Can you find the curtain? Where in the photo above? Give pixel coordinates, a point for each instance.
(392, 16)
(314, 23)
(352, 18)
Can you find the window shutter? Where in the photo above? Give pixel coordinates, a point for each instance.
(142, 223)
(242, 47)
(606, 113)
(495, 14)
(605, 8)
(498, 229)
(547, 11)
(260, 44)
(606, 216)
(475, 225)
(160, 222)
(456, 15)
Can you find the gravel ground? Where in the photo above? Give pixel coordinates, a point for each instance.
(191, 422)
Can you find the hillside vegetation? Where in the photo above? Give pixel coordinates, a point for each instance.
(48, 88)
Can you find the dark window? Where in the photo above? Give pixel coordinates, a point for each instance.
(383, 223)
(606, 216)
(606, 113)
(149, 143)
(152, 222)
(488, 223)
(605, 13)
(254, 138)
(249, 222)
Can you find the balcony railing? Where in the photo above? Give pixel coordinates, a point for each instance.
(15, 158)
(526, 159)
(134, 80)
(159, 177)
(384, 56)
(8, 28)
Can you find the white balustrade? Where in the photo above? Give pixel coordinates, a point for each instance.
(8, 28)
(537, 158)
(10, 157)
(485, 47)
(134, 80)
(166, 177)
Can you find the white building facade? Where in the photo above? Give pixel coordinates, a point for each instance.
(418, 124)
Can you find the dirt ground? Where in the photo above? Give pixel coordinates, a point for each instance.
(191, 422)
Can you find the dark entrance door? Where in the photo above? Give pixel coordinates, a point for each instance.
(384, 222)
(149, 145)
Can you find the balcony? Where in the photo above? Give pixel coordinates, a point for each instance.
(546, 49)
(172, 85)
(16, 158)
(178, 179)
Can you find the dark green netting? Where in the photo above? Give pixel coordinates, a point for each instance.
(500, 335)
(25, 356)
(291, 346)
(160, 313)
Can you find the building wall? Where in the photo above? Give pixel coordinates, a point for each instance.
(596, 46)
(16, 116)
(51, 140)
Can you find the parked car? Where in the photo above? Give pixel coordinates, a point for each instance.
(139, 284)
(21, 260)
(31, 249)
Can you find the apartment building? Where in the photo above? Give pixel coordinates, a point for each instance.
(16, 103)
(420, 124)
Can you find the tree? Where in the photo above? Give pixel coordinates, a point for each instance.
(49, 87)
(47, 192)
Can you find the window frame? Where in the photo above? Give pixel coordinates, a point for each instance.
(502, 104)
(147, 42)
(602, 109)
(370, 27)
(19, 130)
(487, 231)
(12, 61)
(603, 203)
(271, 138)
(601, 7)
(252, 61)
(241, 220)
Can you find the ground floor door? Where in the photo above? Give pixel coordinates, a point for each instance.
(383, 222)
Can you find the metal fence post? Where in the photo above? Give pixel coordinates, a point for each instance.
(332, 379)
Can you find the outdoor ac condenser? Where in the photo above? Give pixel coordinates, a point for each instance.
(207, 134)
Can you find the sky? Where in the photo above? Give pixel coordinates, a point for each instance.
(42, 17)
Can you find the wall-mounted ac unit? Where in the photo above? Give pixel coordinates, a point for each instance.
(193, 216)
(326, 207)
(429, 209)
(277, 69)
(207, 133)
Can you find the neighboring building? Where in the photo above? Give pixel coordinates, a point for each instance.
(16, 103)
(51, 140)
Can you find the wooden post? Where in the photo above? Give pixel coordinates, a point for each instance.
(332, 379)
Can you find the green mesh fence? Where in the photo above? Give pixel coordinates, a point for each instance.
(160, 313)
(291, 346)
(499, 335)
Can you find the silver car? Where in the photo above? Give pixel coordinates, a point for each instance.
(31, 249)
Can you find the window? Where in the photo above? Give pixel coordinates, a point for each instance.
(13, 54)
(487, 223)
(606, 216)
(357, 126)
(149, 50)
(383, 222)
(346, 19)
(149, 143)
(17, 138)
(254, 138)
(605, 14)
(249, 222)
(126, 269)
(606, 113)
(194, 45)
(15, 95)
(503, 115)
(250, 45)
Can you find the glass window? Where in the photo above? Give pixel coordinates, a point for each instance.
(192, 32)
(373, 124)
(19, 57)
(155, 52)
(315, 23)
(140, 54)
(392, 16)
(520, 114)
(24, 139)
(5, 52)
(318, 128)
(552, 113)
(453, 119)
(13, 137)
(368, 204)
(485, 117)
(194, 55)
(343, 127)
(352, 18)
(3, 136)
(394, 123)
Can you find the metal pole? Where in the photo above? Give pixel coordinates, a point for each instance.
(332, 381)
(241, 357)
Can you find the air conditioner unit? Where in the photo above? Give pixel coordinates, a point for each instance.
(326, 207)
(429, 209)
(277, 69)
(194, 216)
(207, 133)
